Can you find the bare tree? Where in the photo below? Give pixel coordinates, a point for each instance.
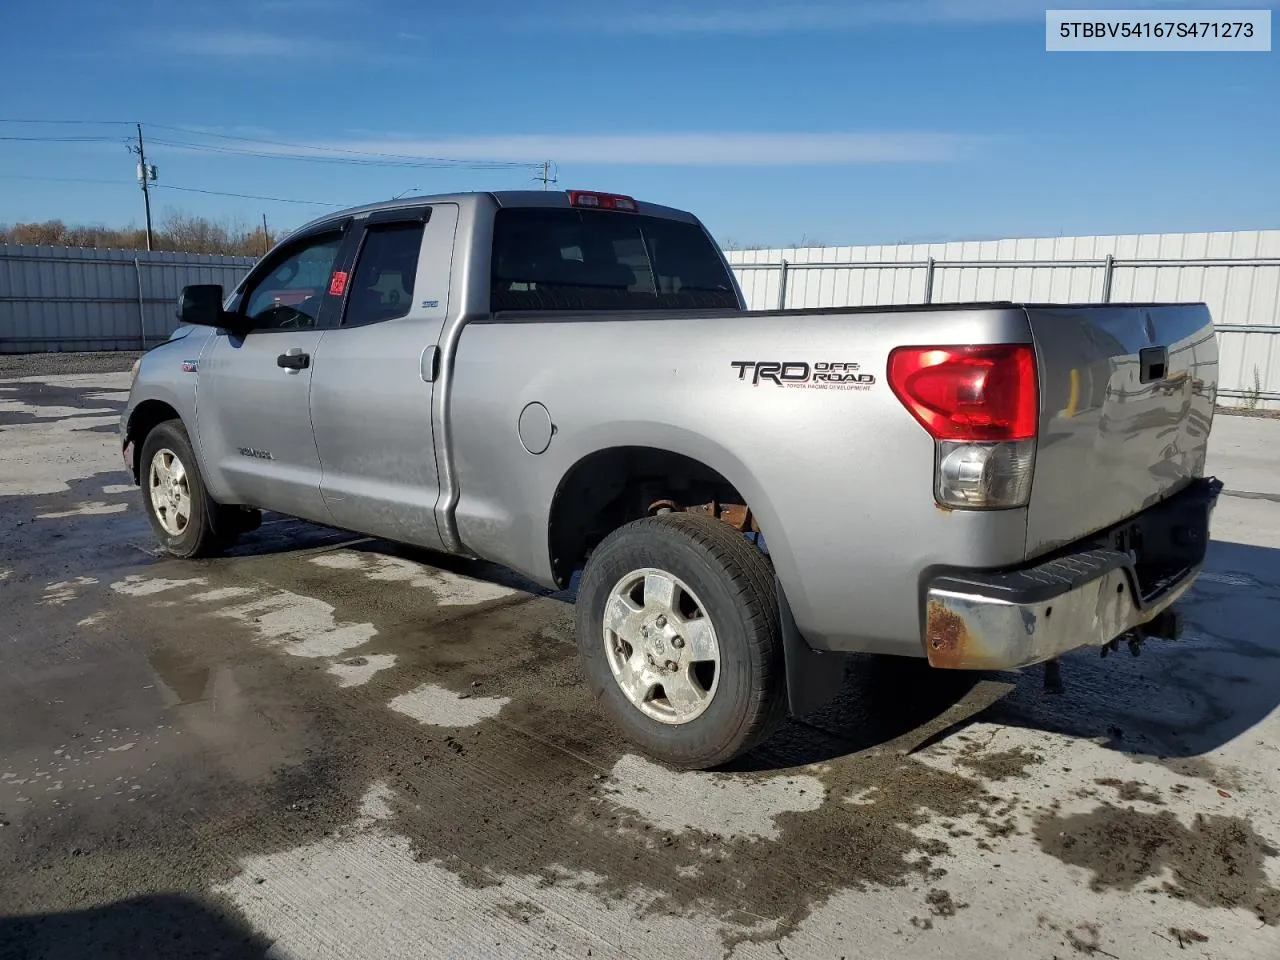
(178, 231)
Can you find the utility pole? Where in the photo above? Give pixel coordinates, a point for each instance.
(546, 176)
(266, 237)
(145, 173)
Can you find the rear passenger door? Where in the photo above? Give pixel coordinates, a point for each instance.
(372, 384)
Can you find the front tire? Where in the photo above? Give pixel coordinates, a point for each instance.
(174, 495)
(680, 638)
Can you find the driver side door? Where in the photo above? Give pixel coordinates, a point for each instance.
(253, 396)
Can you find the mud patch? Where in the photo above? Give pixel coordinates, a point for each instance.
(942, 904)
(1086, 938)
(1000, 765)
(1222, 776)
(1131, 790)
(1217, 862)
(1187, 937)
(715, 804)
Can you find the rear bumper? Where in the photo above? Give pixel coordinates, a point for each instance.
(1124, 579)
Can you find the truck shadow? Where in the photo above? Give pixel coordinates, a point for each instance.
(1176, 700)
(158, 925)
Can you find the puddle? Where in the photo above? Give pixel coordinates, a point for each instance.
(184, 680)
(448, 589)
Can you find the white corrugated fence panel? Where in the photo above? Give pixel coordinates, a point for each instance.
(68, 298)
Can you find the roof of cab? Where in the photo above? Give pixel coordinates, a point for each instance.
(503, 198)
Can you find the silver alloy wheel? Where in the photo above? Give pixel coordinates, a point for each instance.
(661, 646)
(170, 491)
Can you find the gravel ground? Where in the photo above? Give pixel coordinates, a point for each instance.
(38, 364)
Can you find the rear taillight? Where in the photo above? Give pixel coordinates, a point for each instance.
(981, 405)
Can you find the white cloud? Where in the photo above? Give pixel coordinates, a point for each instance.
(673, 149)
(747, 18)
(259, 45)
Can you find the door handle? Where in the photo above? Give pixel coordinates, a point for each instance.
(294, 360)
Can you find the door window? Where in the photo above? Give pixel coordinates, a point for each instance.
(289, 295)
(382, 287)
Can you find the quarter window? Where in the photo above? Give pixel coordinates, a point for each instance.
(382, 287)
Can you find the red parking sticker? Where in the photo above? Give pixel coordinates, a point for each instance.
(338, 283)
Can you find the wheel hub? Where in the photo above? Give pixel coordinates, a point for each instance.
(659, 641)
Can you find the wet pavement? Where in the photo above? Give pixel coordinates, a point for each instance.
(326, 746)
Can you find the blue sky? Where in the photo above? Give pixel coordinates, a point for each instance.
(853, 122)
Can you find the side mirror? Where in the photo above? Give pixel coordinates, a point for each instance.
(201, 304)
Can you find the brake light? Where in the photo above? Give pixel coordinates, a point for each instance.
(601, 201)
(969, 393)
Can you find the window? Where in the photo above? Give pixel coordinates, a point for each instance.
(382, 288)
(556, 259)
(288, 297)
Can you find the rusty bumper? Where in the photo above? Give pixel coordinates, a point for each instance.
(1119, 582)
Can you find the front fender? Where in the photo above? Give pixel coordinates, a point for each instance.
(167, 377)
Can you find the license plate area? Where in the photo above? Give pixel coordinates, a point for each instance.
(1167, 540)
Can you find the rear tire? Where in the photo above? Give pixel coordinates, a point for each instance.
(680, 638)
(181, 512)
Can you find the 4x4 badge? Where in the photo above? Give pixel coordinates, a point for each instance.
(190, 366)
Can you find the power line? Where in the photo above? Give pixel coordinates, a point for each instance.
(244, 196)
(19, 176)
(109, 123)
(61, 139)
(165, 186)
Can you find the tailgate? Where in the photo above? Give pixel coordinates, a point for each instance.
(1127, 399)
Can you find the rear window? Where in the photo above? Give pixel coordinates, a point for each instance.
(602, 260)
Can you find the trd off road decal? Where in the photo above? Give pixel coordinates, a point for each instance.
(797, 373)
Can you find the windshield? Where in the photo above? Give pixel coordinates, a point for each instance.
(556, 259)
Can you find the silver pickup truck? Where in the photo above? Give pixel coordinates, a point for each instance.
(569, 384)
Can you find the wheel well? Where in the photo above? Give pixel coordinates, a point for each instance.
(149, 414)
(612, 487)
